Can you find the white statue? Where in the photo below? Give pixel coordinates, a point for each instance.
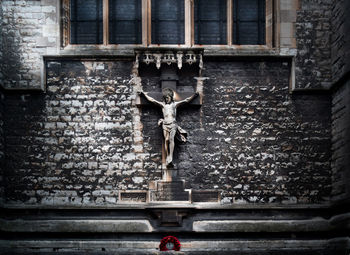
(169, 125)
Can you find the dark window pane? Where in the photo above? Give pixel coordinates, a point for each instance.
(168, 22)
(249, 22)
(210, 22)
(125, 21)
(86, 23)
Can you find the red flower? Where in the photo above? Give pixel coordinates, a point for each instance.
(169, 239)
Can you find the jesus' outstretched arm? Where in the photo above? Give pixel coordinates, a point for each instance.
(186, 100)
(151, 99)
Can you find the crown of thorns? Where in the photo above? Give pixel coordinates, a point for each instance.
(168, 92)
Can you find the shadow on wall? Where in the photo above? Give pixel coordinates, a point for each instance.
(2, 146)
(13, 71)
(24, 155)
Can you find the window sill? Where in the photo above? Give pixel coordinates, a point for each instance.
(211, 50)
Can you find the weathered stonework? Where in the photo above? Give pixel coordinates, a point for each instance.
(260, 136)
(1, 47)
(78, 137)
(250, 140)
(29, 30)
(341, 143)
(313, 38)
(340, 102)
(2, 146)
(82, 162)
(340, 24)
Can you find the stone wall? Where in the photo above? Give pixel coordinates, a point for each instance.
(29, 30)
(340, 39)
(2, 146)
(263, 144)
(341, 101)
(313, 39)
(85, 139)
(1, 47)
(341, 142)
(75, 143)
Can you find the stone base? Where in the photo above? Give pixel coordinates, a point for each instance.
(161, 191)
(273, 231)
(170, 191)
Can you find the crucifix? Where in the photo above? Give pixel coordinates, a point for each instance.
(169, 104)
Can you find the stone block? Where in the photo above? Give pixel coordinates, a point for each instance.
(287, 29)
(77, 226)
(211, 196)
(317, 225)
(133, 196)
(50, 30)
(288, 16)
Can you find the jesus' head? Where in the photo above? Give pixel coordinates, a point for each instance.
(168, 95)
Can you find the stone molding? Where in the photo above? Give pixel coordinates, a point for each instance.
(195, 247)
(316, 224)
(86, 226)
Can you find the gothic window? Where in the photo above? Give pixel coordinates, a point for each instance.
(86, 22)
(167, 22)
(125, 22)
(248, 22)
(210, 22)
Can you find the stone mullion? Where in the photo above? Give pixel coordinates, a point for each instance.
(65, 23)
(105, 22)
(229, 22)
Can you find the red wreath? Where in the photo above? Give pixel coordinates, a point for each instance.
(170, 239)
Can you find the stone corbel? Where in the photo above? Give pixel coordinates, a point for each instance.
(137, 61)
(169, 57)
(179, 56)
(191, 58)
(147, 58)
(158, 58)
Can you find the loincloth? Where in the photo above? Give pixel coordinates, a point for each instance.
(180, 133)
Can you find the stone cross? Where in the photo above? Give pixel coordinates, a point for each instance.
(169, 82)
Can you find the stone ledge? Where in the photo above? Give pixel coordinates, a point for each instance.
(175, 204)
(341, 221)
(144, 226)
(95, 225)
(194, 247)
(129, 51)
(312, 225)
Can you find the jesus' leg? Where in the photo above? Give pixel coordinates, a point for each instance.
(171, 146)
(166, 143)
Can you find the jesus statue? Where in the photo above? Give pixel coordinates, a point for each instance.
(169, 125)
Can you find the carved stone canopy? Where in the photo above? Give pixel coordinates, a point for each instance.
(169, 56)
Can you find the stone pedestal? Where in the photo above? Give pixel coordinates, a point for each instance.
(170, 191)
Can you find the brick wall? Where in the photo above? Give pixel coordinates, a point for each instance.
(254, 140)
(75, 143)
(313, 40)
(29, 29)
(85, 139)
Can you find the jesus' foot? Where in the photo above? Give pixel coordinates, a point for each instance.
(169, 161)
